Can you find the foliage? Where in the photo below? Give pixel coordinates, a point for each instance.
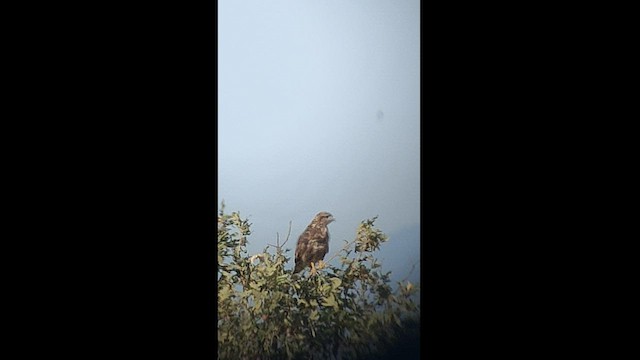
(347, 311)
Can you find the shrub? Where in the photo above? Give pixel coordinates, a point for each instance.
(347, 311)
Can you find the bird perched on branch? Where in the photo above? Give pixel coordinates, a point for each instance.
(313, 243)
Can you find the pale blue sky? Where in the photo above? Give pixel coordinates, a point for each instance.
(319, 110)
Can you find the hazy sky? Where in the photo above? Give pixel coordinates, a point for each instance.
(319, 110)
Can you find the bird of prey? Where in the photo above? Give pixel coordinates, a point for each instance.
(313, 243)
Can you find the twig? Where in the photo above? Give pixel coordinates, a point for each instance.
(411, 271)
(277, 241)
(338, 252)
(278, 246)
(289, 233)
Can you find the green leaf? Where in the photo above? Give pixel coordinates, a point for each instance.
(254, 286)
(330, 301)
(335, 283)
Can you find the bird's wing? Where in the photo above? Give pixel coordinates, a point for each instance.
(303, 243)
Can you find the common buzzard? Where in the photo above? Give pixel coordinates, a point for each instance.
(313, 244)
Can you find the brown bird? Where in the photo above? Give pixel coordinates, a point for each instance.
(313, 243)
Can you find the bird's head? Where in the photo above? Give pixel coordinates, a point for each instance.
(324, 217)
